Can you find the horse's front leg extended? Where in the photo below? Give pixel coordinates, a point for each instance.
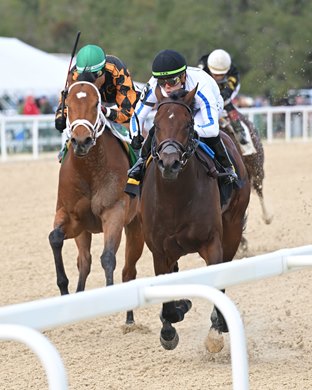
(134, 248)
(108, 261)
(83, 242)
(172, 312)
(56, 239)
(112, 238)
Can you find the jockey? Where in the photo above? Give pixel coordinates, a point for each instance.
(218, 64)
(116, 86)
(170, 72)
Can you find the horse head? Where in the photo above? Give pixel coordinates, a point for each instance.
(174, 132)
(85, 119)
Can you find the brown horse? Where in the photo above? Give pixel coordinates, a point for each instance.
(181, 207)
(91, 196)
(254, 161)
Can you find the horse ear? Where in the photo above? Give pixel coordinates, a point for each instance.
(158, 93)
(99, 81)
(189, 97)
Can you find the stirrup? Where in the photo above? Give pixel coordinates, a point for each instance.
(230, 175)
(137, 171)
(132, 188)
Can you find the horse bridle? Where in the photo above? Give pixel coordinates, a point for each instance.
(98, 127)
(185, 151)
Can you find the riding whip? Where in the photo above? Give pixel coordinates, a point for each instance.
(64, 92)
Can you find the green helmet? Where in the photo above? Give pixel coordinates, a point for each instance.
(90, 58)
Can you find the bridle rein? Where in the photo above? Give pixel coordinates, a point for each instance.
(185, 151)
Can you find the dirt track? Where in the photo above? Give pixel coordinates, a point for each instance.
(277, 312)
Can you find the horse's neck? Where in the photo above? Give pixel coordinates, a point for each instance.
(96, 160)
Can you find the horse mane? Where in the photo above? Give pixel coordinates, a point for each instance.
(179, 95)
(86, 76)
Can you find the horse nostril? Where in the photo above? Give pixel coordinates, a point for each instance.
(160, 164)
(176, 165)
(88, 141)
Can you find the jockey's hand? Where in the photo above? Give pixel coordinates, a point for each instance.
(104, 110)
(60, 123)
(137, 141)
(226, 92)
(229, 107)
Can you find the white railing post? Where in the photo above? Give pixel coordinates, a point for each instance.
(3, 140)
(62, 310)
(287, 126)
(35, 138)
(305, 125)
(231, 315)
(41, 346)
(269, 127)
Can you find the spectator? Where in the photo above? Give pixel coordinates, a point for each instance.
(45, 106)
(30, 107)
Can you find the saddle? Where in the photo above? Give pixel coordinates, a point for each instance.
(205, 156)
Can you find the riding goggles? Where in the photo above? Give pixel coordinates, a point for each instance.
(172, 81)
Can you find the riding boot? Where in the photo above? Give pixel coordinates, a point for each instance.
(221, 155)
(237, 126)
(138, 169)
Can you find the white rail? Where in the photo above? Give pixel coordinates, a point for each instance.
(68, 309)
(41, 346)
(283, 123)
(294, 121)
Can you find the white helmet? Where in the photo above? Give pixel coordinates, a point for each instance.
(219, 61)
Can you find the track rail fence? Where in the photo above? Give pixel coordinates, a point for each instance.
(23, 321)
(32, 135)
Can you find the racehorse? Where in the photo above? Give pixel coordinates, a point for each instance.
(254, 160)
(181, 207)
(91, 196)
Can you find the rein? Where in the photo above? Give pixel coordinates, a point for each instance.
(185, 151)
(95, 128)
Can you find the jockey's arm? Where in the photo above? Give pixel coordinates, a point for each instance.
(143, 107)
(61, 111)
(138, 118)
(209, 107)
(60, 115)
(125, 102)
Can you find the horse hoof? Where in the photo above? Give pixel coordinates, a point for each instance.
(215, 341)
(268, 219)
(182, 307)
(169, 344)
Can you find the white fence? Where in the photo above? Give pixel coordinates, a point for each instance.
(35, 134)
(15, 320)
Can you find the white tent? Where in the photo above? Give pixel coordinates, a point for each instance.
(27, 70)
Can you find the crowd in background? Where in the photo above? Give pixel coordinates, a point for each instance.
(28, 105)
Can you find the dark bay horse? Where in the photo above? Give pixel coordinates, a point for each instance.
(181, 208)
(91, 196)
(253, 161)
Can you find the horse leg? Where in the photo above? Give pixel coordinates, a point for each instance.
(266, 215)
(133, 251)
(83, 242)
(56, 239)
(215, 341)
(172, 312)
(244, 244)
(214, 254)
(112, 230)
